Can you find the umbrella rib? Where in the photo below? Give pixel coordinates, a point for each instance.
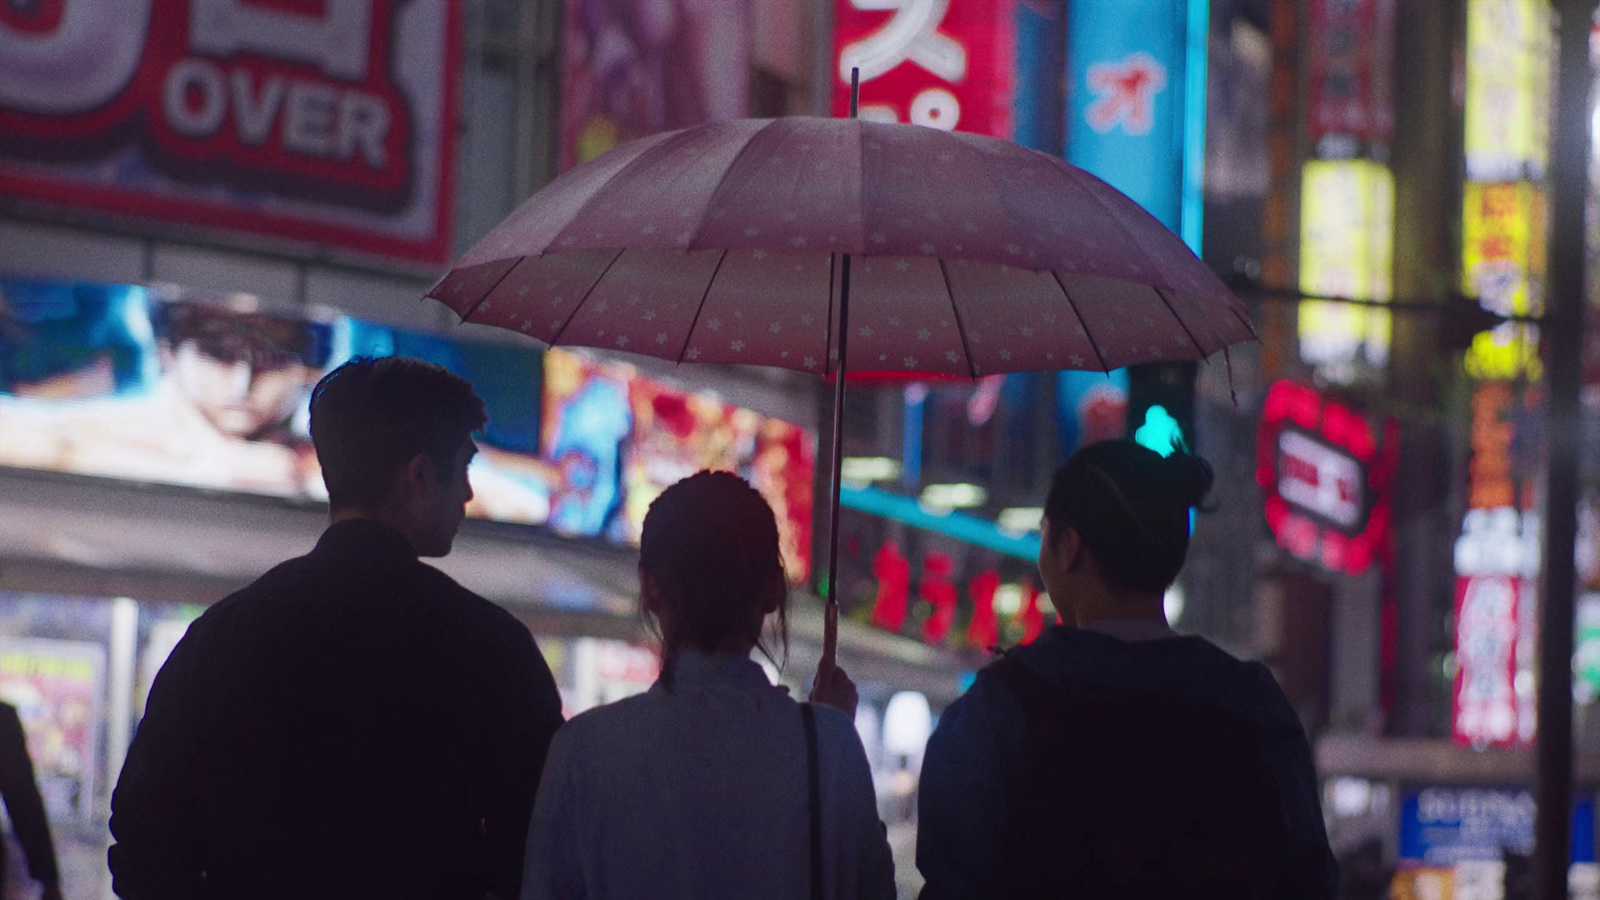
(1067, 295)
(1078, 177)
(584, 299)
(944, 270)
(699, 307)
(1181, 323)
(1245, 320)
(827, 349)
(497, 282)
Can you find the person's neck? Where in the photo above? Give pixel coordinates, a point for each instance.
(350, 514)
(1100, 604)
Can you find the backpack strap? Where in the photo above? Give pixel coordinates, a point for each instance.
(814, 789)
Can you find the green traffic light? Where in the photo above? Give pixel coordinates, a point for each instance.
(1160, 431)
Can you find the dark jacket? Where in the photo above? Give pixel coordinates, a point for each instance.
(23, 804)
(962, 815)
(354, 723)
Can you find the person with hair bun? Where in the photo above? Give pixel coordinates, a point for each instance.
(1114, 757)
(713, 783)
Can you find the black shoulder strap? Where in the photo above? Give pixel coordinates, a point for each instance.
(815, 790)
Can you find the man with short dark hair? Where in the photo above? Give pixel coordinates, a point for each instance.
(354, 723)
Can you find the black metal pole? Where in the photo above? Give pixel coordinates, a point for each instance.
(1569, 183)
(830, 627)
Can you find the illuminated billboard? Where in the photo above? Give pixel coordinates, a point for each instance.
(928, 62)
(1346, 250)
(1509, 74)
(1502, 264)
(330, 123)
(616, 440)
(1326, 478)
(1136, 103)
(128, 382)
(633, 69)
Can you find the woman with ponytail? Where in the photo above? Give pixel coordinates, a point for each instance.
(1114, 757)
(713, 783)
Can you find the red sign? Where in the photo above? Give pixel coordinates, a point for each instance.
(326, 122)
(940, 63)
(1484, 707)
(1325, 478)
(1351, 50)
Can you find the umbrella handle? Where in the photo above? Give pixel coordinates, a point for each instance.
(830, 630)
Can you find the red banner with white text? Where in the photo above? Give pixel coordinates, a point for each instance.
(328, 123)
(947, 64)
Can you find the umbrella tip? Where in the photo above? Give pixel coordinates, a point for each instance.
(855, 90)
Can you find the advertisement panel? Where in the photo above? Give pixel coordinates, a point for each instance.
(1350, 75)
(1346, 250)
(1127, 111)
(616, 440)
(122, 381)
(1499, 551)
(1509, 73)
(1485, 700)
(1455, 841)
(329, 123)
(58, 688)
(631, 69)
(1502, 264)
(944, 64)
(1326, 477)
(166, 387)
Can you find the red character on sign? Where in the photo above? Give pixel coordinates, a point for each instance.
(984, 632)
(937, 591)
(1126, 92)
(893, 572)
(1030, 616)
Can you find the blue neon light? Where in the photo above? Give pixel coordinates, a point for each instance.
(1137, 102)
(1194, 122)
(960, 526)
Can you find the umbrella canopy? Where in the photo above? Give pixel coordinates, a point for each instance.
(734, 243)
(725, 243)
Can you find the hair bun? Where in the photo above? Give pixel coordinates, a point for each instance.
(1188, 478)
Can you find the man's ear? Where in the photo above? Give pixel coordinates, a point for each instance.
(416, 477)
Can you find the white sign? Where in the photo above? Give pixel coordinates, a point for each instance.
(1320, 479)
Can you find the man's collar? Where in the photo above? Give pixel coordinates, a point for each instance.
(365, 537)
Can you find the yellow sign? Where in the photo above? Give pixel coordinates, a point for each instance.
(1502, 261)
(1509, 73)
(1346, 250)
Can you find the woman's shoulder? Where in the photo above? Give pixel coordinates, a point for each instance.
(604, 722)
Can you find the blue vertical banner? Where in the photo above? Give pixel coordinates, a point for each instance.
(1041, 49)
(1136, 102)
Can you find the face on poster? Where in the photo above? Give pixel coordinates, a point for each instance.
(631, 68)
(328, 123)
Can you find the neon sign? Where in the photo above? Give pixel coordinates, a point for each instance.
(937, 63)
(1325, 478)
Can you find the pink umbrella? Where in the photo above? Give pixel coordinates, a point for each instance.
(734, 242)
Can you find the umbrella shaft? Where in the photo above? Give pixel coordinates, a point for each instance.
(830, 635)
